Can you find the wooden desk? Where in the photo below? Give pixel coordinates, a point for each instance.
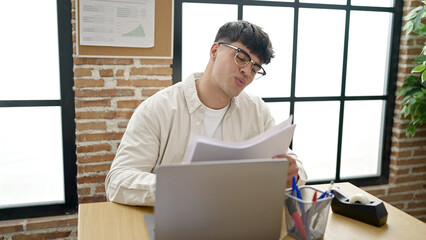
(113, 221)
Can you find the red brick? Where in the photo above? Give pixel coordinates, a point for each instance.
(103, 115)
(92, 199)
(412, 205)
(149, 92)
(93, 103)
(420, 196)
(406, 188)
(406, 179)
(91, 179)
(122, 124)
(81, 83)
(407, 162)
(399, 171)
(94, 168)
(106, 72)
(11, 226)
(100, 189)
(419, 143)
(49, 235)
(402, 154)
(157, 61)
(94, 148)
(82, 72)
(419, 169)
(83, 191)
(91, 126)
(151, 71)
(52, 222)
(99, 136)
(96, 158)
(144, 83)
(103, 61)
(119, 73)
(375, 192)
(105, 93)
(128, 104)
(399, 197)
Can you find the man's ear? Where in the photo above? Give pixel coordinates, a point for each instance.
(213, 49)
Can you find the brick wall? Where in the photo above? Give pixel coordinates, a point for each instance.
(407, 186)
(106, 93)
(108, 90)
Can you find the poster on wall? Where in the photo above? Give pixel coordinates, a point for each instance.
(117, 23)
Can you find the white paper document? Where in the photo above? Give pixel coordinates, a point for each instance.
(117, 23)
(270, 143)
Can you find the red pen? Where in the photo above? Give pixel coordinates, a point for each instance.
(314, 198)
(296, 217)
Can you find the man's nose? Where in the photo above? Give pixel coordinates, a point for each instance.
(246, 70)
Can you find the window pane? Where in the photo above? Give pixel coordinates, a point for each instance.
(276, 0)
(29, 51)
(200, 23)
(315, 137)
(320, 52)
(278, 23)
(279, 110)
(337, 2)
(31, 163)
(375, 3)
(361, 143)
(368, 71)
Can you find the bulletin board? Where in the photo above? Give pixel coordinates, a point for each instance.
(163, 38)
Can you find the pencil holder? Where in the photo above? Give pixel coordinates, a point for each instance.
(307, 211)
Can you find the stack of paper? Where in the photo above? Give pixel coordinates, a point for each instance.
(270, 143)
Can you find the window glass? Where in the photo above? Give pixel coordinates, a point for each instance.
(279, 110)
(276, 0)
(320, 52)
(31, 166)
(375, 3)
(368, 57)
(337, 2)
(200, 23)
(361, 142)
(29, 64)
(315, 137)
(278, 23)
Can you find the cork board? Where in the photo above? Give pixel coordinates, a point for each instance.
(163, 38)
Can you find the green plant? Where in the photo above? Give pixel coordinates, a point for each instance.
(413, 89)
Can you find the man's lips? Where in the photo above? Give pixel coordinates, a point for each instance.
(241, 81)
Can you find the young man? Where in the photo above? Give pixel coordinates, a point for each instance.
(212, 104)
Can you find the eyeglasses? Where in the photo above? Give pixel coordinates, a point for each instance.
(242, 58)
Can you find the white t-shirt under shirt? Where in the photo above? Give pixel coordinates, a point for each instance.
(212, 123)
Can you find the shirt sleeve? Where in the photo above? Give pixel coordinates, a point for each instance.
(269, 122)
(303, 178)
(131, 179)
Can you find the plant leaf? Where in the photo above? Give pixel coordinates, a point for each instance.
(418, 69)
(421, 58)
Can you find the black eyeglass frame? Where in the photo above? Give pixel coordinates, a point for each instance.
(261, 71)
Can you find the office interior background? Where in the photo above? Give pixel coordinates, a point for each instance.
(338, 66)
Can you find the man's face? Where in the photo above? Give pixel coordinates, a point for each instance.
(229, 77)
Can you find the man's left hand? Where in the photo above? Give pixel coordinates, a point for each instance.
(293, 169)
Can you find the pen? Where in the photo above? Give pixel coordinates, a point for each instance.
(314, 198)
(296, 217)
(295, 189)
(328, 192)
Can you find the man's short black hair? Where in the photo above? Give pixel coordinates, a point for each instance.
(249, 34)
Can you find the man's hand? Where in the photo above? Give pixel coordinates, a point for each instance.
(292, 168)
